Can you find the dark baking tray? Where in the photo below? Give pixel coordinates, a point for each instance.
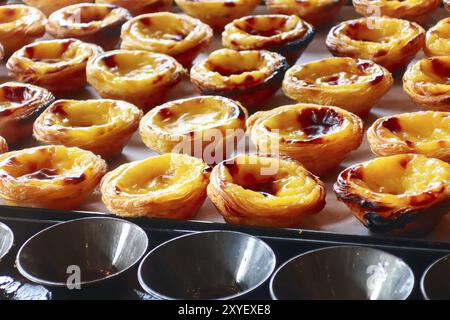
(286, 244)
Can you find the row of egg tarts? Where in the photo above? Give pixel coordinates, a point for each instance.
(410, 197)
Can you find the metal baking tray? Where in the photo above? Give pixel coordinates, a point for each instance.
(285, 243)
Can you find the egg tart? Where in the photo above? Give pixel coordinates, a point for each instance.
(166, 186)
(57, 65)
(140, 77)
(287, 35)
(249, 76)
(52, 177)
(137, 7)
(390, 42)
(217, 13)
(317, 136)
(426, 132)
(20, 25)
(352, 84)
(177, 35)
(208, 127)
(317, 12)
(49, 6)
(437, 40)
(20, 105)
(100, 126)
(94, 23)
(3, 145)
(446, 4)
(265, 191)
(427, 82)
(413, 10)
(399, 195)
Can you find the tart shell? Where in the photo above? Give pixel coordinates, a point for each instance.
(138, 7)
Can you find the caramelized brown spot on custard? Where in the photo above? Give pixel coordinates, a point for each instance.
(29, 52)
(267, 189)
(249, 26)
(165, 113)
(404, 162)
(117, 190)
(146, 21)
(41, 174)
(229, 3)
(110, 61)
(15, 93)
(392, 124)
(226, 71)
(232, 167)
(59, 110)
(380, 53)
(440, 68)
(317, 122)
(75, 180)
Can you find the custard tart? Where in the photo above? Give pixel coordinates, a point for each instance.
(166, 186)
(265, 191)
(208, 127)
(413, 10)
(177, 35)
(317, 12)
(19, 26)
(20, 105)
(217, 13)
(3, 145)
(437, 40)
(94, 23)
(427, 82)
(101, 126)
(249, 76)
(352, 84)
(287, 35)
(319, 137)
(403, 194)
(426, 132)
(390, 42)
(142, 78)
(137, 7)
(57, 65)
(52, 177)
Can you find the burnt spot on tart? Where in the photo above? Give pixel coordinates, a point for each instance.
(110, 61)
(48, 56)
(229, 4)
(440, 68)
(165, 113)
(58, 109)
(227, 70)
(392, 124)
(317, 123)
(250, 26)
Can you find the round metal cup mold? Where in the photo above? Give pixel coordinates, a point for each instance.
(435, 282)
(207, 265)
(98, 248)
(343, 273)
(6, 239)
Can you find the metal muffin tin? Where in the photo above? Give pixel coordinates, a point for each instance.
(286, 244)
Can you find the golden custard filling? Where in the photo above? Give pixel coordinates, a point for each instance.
(87, 16)
(337, 73)
(415, 10)
(437, 42)
(396, 179)
(429, 77)
(253, 32)
(39, 165)
(19, 16)
(227, 68)
(165, 32)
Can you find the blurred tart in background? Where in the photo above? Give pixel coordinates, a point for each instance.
(50, 6)
(137, 7)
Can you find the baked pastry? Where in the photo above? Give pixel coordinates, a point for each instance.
(317, 12)
(319, 137)
(3, 145)
(89, 22)
(57, 65)
(446, 4)
(49, 6)
(101, 126)
(137, 7)
(52, 177)
(437, 40)
(177, 35)
(265, 191)
(412, 10)
(166, 186)
(427, 83)
(398, 195)
(189, 125)
(20, 105)
(287, 35)
(20, 25)
(390, 42)
(352, 84)
(426, 132)
(217, 13)
(249, 76)
(141, 77)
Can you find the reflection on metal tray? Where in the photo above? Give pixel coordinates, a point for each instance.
(285, 243)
